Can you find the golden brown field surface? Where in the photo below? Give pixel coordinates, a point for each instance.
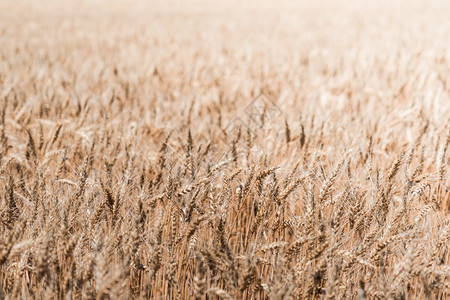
(224, 149)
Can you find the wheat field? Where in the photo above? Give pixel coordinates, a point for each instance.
(224, 150)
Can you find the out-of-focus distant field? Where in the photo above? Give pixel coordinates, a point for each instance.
(226, 149)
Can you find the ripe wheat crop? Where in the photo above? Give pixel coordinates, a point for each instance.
(224, 150)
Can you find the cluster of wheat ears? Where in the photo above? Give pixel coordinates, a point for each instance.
(120, 177)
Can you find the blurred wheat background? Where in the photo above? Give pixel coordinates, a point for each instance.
(131, 168)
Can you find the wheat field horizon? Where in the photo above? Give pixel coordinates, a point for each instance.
(224, 150)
